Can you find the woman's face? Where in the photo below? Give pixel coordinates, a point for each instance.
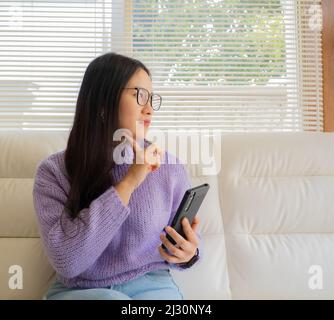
(131, 114)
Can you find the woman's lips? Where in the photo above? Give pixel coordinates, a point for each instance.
(147, 123)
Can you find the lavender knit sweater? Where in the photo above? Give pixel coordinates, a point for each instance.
(117, 243)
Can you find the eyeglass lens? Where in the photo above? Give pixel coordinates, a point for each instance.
(143, 97)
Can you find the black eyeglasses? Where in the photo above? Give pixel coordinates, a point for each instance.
(143, 96)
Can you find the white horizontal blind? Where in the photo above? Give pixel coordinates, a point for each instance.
(232, 65)
(45, 49)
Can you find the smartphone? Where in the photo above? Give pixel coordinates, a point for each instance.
(188, 207)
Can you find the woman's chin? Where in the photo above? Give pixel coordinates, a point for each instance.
(140, 136)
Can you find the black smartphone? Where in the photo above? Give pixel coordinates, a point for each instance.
(188, 207)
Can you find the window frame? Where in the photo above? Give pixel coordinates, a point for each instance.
(328, 64)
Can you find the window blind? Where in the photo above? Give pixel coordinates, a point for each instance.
(232, 65)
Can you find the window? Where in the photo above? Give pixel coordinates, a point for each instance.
(230, 65)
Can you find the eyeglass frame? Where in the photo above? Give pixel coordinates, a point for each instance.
(150, 95)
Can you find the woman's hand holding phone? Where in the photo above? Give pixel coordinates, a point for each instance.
(186, 247)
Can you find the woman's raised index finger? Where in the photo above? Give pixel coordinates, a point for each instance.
(133, 142)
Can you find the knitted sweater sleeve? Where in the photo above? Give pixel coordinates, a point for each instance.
(72, 246)
(181, 185)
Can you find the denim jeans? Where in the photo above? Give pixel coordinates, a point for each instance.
(154, 285)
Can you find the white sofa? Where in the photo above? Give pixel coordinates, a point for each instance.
(267, 223)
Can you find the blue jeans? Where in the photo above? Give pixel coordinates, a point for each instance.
(154, 285)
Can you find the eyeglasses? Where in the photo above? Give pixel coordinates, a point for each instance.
(143, 96)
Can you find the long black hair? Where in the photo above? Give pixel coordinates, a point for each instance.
(90, 146)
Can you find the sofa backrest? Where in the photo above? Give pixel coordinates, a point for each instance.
(276, 193)
(20, 245)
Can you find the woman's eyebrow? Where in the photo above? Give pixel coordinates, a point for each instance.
(144, 88)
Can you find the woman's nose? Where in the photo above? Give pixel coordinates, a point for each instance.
(148, 108)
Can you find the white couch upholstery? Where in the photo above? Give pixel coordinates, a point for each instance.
(267, 223)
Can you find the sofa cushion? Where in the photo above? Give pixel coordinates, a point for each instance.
(276, 192)
(36, 272)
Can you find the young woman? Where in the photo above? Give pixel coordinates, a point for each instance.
(102, 222)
